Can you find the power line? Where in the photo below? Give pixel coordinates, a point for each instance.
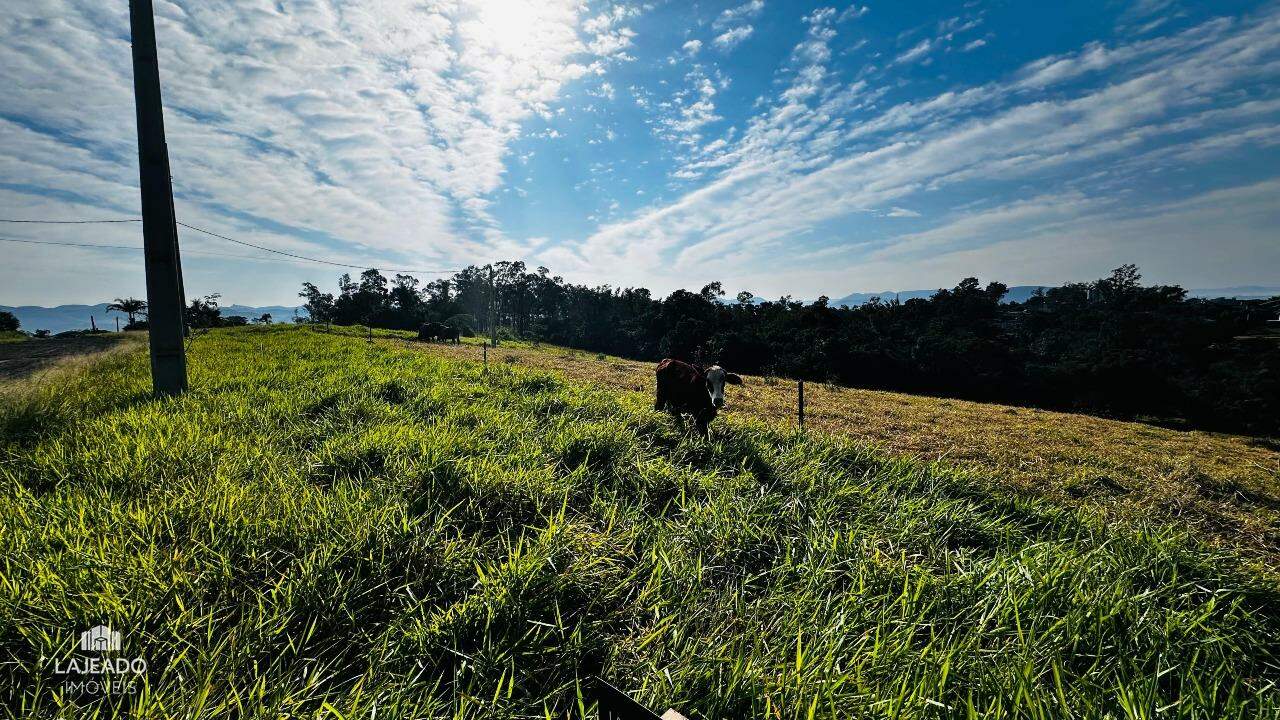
(138, 247)
(72, 244)
(408, 271)
(71, 222)
(311, 259)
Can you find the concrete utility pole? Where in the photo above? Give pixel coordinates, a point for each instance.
(159, 226)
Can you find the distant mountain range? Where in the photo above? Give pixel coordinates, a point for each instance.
(1239, 292)
(1021, 293)
(1017, 293)
(76, 317)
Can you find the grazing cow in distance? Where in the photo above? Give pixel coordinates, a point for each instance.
(439, 331)
(429, 331)
(693, 390)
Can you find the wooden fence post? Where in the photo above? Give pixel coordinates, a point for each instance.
(800, 403)
(486, 357)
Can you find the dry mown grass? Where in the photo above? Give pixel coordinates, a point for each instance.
(25, 357)
(1225, 488)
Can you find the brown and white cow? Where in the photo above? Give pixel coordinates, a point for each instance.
(693, 390)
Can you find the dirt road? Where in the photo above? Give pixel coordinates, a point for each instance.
(20, 359)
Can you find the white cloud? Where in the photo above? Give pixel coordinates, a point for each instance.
(953, 26)
(384, 129)
(948, 29)
(853, 12)
(980, 227)
(732, 38)
(689, 110)
(1051, 240)
(611, 43)
(607, 20)
(917, 52)
(1167, 240)
(1143, 11)
(738, 14)
(384, 133)
(802, 164)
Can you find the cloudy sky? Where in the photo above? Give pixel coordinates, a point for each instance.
(780, 147)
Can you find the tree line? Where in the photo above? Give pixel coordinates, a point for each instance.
(1113, 346)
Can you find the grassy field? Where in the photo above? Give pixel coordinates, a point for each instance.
(1224, 488)
(333, 527)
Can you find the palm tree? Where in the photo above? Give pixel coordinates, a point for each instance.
(130, 306)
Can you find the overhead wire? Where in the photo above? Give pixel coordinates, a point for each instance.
(98, 246)
(71, 222)
(264, 248)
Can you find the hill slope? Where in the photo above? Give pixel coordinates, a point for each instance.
(326, 525)
(1225, 488)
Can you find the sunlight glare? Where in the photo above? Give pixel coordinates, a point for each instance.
(510, 27)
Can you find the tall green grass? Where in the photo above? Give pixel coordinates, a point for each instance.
(327, 526)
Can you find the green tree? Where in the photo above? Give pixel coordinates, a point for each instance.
(130, 306)
(204, 312)
(319, 305)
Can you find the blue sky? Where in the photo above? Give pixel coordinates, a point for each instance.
(779, 147)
